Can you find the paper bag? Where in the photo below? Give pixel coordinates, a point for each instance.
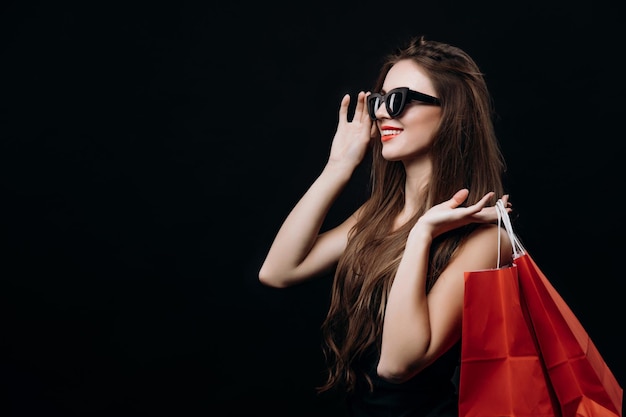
(501, 371)
(582, 381)
(523, 351)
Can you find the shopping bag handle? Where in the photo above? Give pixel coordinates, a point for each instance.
(504, 219)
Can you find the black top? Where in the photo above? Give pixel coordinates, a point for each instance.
(432, 392)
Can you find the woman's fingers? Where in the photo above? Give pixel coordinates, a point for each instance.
(343, 109)
(361, 112)
(458, 198)
(360, 106)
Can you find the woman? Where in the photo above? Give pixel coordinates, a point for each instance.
(393, 330)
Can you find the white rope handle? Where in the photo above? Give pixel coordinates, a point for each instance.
(503, 218)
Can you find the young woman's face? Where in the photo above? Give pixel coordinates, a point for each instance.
(409, 135)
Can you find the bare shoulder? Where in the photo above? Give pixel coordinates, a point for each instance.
(483, 246)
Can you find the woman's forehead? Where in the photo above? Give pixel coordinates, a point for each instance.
(407, 73)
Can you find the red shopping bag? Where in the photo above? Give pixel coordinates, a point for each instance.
(582, 381)
(524, 352)
(501, 372)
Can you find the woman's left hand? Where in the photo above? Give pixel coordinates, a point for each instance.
(449, 215)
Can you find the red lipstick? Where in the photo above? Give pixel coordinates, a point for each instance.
(389, 132)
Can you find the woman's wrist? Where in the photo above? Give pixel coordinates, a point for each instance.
(339, 169)
(420, 234)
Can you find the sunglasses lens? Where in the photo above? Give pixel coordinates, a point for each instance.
(373, 103)
(395, 103)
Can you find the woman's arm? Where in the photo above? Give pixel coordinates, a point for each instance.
(418, 328)
(299, 251)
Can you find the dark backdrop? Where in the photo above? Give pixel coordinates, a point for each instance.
(150, 151)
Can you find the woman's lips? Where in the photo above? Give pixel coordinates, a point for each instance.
(388, 133)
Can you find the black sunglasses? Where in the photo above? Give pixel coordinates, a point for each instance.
(395, 101)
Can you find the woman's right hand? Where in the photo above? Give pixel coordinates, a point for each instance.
(352, 137)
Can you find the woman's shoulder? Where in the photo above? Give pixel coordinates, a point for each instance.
(485, 243)
(488, 232)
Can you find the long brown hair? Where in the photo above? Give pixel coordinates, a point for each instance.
(465, 154)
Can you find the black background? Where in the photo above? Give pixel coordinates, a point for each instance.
(150, 150)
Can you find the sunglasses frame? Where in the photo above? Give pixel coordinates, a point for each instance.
(406, 95)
